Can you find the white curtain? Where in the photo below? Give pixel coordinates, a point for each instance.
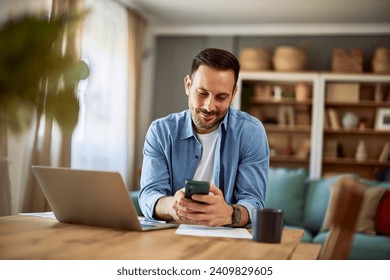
(100, 139)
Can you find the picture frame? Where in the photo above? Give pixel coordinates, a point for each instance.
(382, 121)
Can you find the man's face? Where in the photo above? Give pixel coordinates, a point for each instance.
(210, 93)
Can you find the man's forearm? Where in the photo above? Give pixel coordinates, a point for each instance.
(161, 210)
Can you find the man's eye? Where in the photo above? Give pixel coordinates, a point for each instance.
(222, 98)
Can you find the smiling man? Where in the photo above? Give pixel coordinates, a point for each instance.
(208, 142)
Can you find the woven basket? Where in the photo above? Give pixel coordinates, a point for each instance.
(289, 59)
(255, 59)
(381, 61)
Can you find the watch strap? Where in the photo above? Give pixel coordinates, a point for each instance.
(236, 215)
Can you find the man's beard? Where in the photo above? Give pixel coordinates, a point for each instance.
(199, 116)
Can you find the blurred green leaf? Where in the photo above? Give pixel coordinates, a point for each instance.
(19, 114)
(64, 108)
(33, 70)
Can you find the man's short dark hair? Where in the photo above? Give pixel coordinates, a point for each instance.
(218, 59)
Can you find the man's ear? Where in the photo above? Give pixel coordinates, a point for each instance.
(187, 84)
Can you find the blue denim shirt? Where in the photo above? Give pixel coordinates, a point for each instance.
(172, 153)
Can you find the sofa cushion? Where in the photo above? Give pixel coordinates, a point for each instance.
(286, 191)
(134, 198)
(366, 219)
(364, 246)
(382, 218)
(317, 198)
(365, 222)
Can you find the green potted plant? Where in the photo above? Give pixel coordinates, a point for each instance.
(35, 75)
(38, 77)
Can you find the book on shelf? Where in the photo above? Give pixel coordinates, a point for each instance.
(331, 149)
(286, 116)
(290, 115)
(282, 116)
(333, 117)
(385, 153)
(326, 120)
(302, 116)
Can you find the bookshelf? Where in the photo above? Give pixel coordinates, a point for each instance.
(300, 131)
(366, 95)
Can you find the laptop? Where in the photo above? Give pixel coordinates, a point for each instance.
(96, 198)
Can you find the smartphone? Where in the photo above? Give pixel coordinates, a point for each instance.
(196, 187)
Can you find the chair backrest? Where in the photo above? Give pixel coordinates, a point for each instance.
(348, 195)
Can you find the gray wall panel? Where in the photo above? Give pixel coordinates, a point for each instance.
(173, 63)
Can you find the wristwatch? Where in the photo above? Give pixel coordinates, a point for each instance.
(236, 215)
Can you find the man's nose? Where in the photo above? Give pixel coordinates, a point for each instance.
(209, 104)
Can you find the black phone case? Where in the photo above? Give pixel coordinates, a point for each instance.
(196, 187)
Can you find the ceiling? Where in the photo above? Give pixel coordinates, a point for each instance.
(238, 12)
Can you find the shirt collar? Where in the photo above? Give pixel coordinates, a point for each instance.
(188, 130)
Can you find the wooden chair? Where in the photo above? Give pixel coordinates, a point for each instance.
(348, 195)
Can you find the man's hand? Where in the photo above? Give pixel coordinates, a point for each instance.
(167, 207)
(208, 210)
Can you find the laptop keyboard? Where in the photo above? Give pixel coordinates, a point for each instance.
(148, 224)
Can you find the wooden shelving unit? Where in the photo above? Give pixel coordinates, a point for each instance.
(365, 107)
(286, 139)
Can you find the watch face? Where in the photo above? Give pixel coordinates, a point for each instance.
(237, 215)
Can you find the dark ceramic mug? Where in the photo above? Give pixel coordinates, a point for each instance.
(267, 225)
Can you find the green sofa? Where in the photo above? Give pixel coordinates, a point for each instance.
(305, 204)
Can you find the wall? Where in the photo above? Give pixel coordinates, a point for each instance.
(174, 55)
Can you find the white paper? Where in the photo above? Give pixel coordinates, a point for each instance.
(213, 231)
(40, 214)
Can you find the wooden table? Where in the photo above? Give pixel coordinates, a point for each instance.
(28, 237)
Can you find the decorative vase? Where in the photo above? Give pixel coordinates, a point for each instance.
(361, 152)
(302, 91)
(350, 120)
